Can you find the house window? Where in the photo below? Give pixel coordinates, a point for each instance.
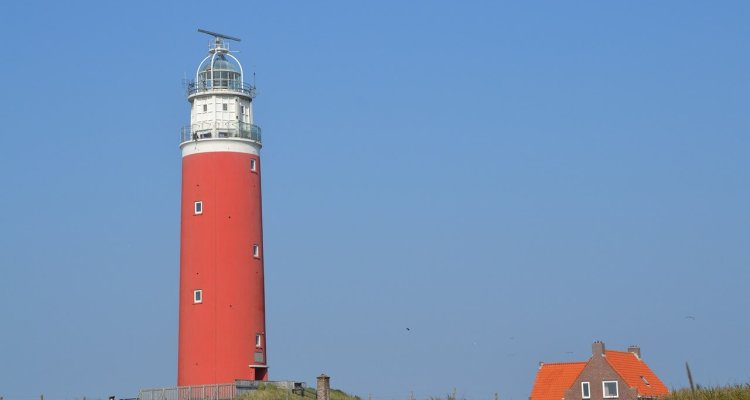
(197, 296)
(205, 107)
(253, 165)
(610, 389)
(586, 390)
(198, 208)
(224, 107)
(258, 340)
(256, 251)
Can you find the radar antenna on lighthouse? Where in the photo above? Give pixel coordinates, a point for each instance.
(219, 35)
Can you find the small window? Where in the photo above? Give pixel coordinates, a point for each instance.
(197, 296)
(610, 389)
(643, 378)
(256, 251)
(198, 207)
(205, 107)
(258, 340)
(585, 390)
(253, 165)
(224, 107)
(242, 110)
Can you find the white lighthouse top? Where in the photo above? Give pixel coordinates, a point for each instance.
(220, 70)
(221, 104)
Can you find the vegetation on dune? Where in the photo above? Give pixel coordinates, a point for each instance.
(736, 392)
(270, 392)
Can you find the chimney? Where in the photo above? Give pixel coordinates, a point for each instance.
(635, 350)
(597, 348)
(323, 387)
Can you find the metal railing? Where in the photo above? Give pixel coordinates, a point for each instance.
(229, 85)
(226, 391)
(238, 130)
(223, 391)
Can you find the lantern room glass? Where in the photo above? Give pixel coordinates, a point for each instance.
(220, 74)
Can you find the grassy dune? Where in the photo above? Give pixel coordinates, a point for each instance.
(737, 392)
(268, 392)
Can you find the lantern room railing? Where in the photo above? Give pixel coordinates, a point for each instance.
(237, 130)
(229, 85)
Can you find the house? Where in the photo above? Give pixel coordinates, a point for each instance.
(608, 374)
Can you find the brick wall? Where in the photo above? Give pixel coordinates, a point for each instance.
(596, 372)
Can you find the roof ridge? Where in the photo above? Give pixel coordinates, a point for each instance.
(564, 362)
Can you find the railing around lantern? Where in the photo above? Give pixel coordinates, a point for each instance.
(238, 130)
(230, 85)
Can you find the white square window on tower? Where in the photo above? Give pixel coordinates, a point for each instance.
(256, 251)
(258, 340)
(197, 296)
(198, 208)
(253, 165)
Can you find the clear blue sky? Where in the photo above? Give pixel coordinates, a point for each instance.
(511, 181)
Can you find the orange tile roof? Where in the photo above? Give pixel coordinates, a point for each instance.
(631, 368)
(552, 380)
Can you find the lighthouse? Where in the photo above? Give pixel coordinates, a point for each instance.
(222, 329)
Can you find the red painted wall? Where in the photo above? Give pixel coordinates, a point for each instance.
(217, 338)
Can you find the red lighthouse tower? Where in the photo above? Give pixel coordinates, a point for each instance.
(222, 333)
